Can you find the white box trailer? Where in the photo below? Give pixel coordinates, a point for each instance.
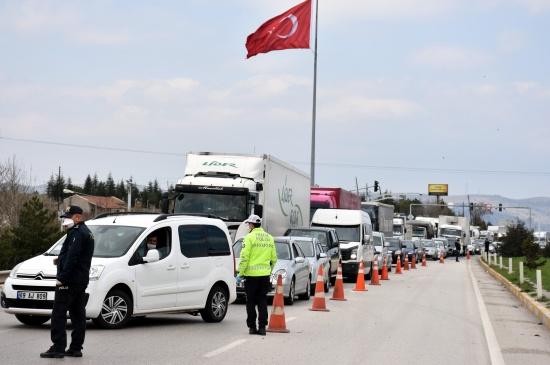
(233, 186)
(454, 227)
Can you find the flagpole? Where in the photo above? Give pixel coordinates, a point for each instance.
(313, 116)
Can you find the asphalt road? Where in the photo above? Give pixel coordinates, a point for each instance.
(427, 316)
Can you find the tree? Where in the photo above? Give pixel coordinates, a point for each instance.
(13, 192)
(88, 185)
(95, 184)
(531, 250)
(110, 188)
(515, 235)
(120, 191)
(37, 230)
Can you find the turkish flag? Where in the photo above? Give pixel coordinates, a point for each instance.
(287, 30)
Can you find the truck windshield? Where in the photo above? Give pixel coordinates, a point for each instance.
(397, 229)
(346, 233)
(109, 241)
(419, 231)
(451, 232)
(230, 207)
(371, 211)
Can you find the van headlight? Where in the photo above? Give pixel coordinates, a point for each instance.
(95, 271)
(353, 255)
(13, 272)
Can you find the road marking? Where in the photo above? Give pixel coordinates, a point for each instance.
(495, 353)
(290, 319)
(225, 348)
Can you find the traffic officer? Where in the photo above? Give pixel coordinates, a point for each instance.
(73, 271)
(258, 257)
(457, 249)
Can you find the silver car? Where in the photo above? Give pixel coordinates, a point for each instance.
(316, 256)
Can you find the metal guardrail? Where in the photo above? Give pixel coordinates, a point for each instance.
(3, 276)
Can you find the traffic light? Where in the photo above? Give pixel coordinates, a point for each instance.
(500, 207)
(376, 185)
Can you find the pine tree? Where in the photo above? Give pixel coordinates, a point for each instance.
(120, 191)
(50, 188)
(110, 188)
(37, 230)
(95, 184)
(88, 185)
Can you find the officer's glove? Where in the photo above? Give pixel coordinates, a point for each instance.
(58, 283)
(239, 279)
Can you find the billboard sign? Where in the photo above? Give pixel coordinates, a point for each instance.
(438, 189)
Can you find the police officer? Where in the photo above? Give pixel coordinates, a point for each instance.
(457, 249)
(258, 257)
(73, 270)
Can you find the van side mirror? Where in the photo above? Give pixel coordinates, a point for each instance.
(152, 256)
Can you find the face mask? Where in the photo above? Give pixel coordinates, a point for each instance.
(151, 246)
(68, 223)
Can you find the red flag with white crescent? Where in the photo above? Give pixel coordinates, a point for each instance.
(290, 29)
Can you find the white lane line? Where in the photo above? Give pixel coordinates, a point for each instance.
(290, 319)
(225, 348)
(492, 343)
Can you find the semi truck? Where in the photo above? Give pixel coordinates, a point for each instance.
(333, 198)
(454, 228)
(233, 186)
(381, 216)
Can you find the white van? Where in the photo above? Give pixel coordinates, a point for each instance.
(354, 231)
(192, 270)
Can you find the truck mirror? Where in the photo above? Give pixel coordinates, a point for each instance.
(259, 187)
(164, 203)
(259, 210)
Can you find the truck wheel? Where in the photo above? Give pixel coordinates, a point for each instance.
(31, 320)
(216, 305)
(116, 311)
(291, 293)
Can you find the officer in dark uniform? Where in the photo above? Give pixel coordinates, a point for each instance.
(457, 248)
(73, 270)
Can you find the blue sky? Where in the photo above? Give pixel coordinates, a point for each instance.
(437, 84)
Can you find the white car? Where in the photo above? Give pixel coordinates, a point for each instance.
(316, 256)
(192, 270)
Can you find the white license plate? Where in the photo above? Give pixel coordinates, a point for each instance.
(32, 295)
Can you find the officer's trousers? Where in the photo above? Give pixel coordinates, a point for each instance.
(72, 299)
(256, 288)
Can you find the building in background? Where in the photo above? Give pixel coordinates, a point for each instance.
(93, 205)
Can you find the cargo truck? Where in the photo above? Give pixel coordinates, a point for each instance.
(233, 186)
(453, 228)
(333, 198)
(381, 216)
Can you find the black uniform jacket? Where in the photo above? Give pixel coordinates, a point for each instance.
(75, 258)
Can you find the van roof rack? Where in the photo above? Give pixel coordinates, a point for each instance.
(104, 215)
(205, 215)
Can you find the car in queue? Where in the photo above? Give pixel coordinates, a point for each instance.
(316, 256)
(191, 270)
(441, 244)
(394, 249)
(431, 249)
(381, 250)
(328, 238)
(408, 249)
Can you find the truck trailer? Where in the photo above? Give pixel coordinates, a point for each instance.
(333, 198)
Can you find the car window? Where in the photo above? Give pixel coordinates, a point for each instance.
(295, 251)
(283, 250)
(306, 247)
(163, 239)
(203, 240)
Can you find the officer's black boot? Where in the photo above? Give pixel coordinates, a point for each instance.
(252, 331)
(53, 354)
(261, 331)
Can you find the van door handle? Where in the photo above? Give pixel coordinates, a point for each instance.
(185, 266)
(171, 267)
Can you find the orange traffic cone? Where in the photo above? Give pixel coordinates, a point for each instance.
(406, 264)
(441, 258)
(385, 270)
(360, 284)
(319, 298)
(467, 254)
(413, 263)
(374, 278)
(277, 321)
(338, 292)
(424, 260)
(398, 265)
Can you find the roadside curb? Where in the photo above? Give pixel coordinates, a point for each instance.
(543, 314)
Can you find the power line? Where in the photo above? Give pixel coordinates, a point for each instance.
(328, 164)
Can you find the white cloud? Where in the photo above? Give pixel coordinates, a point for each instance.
(450, 58)
(511, 41)
(353, 108)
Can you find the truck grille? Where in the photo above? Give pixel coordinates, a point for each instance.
(345, 254)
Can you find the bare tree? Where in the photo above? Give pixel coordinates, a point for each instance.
(13, 192)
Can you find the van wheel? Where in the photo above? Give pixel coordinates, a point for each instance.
(291, 293)
(116, 310)
(30, 320)
(306, 295)
(216, 305)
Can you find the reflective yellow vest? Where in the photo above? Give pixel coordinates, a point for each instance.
(258, 255)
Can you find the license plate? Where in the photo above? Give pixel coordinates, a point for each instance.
(32, 295)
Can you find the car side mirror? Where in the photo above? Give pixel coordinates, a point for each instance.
(152, 256)
(322, 255)
(299, 260)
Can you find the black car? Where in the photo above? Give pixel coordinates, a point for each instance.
(328, 238)
(394, 248)
(408, 249)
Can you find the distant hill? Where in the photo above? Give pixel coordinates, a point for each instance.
(540, 209)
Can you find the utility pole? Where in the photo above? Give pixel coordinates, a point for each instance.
(129, 182)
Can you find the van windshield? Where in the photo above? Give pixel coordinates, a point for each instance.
(346, 233)
(110, 241)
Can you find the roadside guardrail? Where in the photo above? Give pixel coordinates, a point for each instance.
(3, 276)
